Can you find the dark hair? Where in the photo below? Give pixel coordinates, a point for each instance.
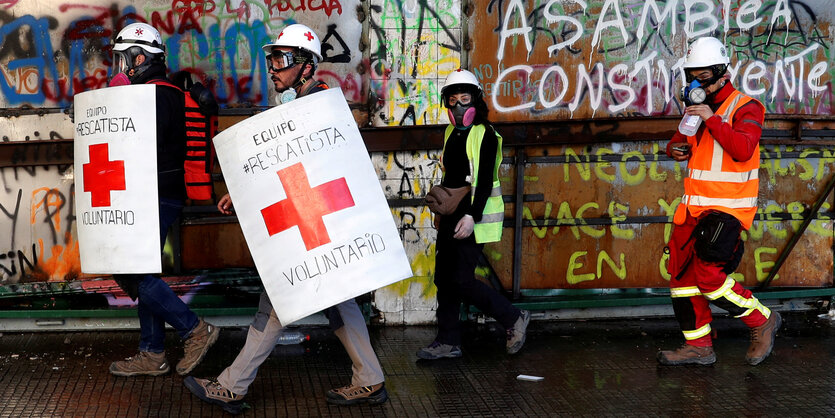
(481, 110)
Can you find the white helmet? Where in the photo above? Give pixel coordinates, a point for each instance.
(706, 52)
(460, 76)
(297, 36)
(142, 35)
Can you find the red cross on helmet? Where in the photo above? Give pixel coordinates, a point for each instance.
(142, 35)
(297, 36)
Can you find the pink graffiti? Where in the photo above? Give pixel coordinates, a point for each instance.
(350, 85)
(641, 97)
(8, 3)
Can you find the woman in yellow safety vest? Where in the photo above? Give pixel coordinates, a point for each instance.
(471, 157)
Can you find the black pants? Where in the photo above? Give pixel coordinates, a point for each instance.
(455, 264)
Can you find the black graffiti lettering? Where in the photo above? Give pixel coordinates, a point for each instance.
(407, 226)
(344, 56)
(13, 215)
(22, 260)
(48, 213)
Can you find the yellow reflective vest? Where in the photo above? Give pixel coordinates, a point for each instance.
(489, 229)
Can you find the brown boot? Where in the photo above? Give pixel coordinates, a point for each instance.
(351, 395)
(688, 354)
(143, 364)
(762, 339)
(196, 346)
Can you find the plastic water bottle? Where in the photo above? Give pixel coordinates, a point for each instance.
(689, 125)
(291, 337)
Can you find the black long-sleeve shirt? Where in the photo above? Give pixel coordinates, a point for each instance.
(457, 169)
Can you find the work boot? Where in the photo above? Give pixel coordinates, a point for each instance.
(516, 335)
(209, 390)
(688, 354)
(762, 339)
(145, 363)
(438, 350)
(196, 346)
(351, 395)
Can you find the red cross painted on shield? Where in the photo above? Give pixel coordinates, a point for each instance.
(309, 36)
(101, 176)
(305, 206)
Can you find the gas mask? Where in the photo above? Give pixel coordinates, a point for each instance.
(461, 116)
(286, 96)
(693, 94)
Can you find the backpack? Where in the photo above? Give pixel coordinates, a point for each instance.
(201, 126)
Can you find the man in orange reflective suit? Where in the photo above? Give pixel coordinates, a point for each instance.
(720, 199)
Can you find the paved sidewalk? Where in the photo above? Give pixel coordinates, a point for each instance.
(593, 368)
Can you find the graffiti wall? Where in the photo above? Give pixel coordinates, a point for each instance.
(580, 59)
(53, 50)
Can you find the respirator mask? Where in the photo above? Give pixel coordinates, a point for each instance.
(460, 115)
(461, 110)
(693, 93)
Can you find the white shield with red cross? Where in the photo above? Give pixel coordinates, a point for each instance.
(310, 205)
(116, 206)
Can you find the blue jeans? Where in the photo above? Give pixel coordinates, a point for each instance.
(157, 302)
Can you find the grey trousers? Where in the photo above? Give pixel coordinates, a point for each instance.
(265, 330)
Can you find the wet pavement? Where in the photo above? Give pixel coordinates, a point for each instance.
(590, 368)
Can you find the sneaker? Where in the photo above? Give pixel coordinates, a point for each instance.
(143, 364)
(196, 346)
(516, 335)
(209, 390)
(762, 339)
(688, 354)
(351, 395)
(438, 350)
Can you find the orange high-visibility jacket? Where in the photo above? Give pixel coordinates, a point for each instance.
(714, 180)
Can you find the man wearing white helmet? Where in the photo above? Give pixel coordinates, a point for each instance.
(292, 60)
(720, 200)
(470, 163)
(139, 58)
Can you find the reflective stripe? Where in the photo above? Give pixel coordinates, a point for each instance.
(684, 292)
(724, 176)
(759, 307)
(491, 217)
(745, 202)
(497, 191)
(727, 114)
(727, 286)
(697, 333)
(753, 122)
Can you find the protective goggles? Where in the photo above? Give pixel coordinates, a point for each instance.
(463, 99)
(120, 63)
(280, 60)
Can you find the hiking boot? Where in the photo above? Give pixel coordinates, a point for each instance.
(762, 339)
(438, 350)
(516, 335)
(351, 395)
(209, 390)
(196, 346)
(688, 354)
(143, 364)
